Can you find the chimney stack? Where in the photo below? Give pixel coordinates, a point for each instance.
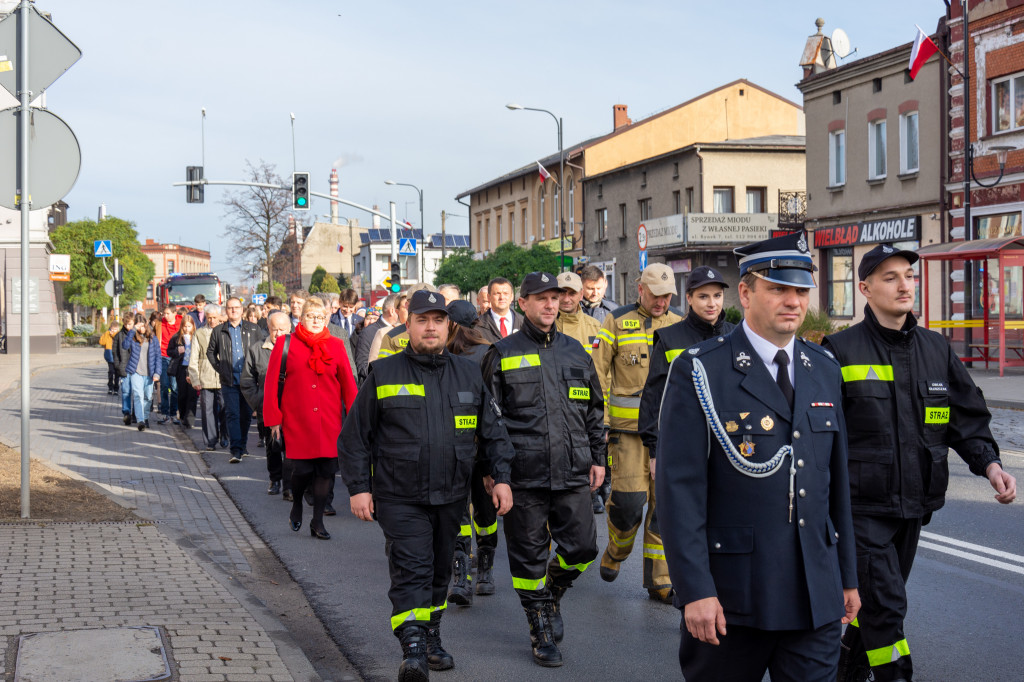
(291, 225)
(620, 118)
(334, 193)
(376, 218)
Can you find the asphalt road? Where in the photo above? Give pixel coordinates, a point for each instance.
(966, 591)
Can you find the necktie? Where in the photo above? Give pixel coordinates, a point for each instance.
(504, 328)
(782, 378)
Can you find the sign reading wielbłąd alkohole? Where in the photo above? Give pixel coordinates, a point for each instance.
(905, 229)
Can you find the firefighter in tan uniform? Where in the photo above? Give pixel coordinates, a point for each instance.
(572, 321)
(622, 358)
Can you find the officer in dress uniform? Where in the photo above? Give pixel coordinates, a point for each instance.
(753, 489)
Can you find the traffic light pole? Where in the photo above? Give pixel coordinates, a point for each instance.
(26, 204)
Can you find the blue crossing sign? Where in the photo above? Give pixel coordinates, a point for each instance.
(101, 248)
(259, 299)
(407, 247)
(643, 259)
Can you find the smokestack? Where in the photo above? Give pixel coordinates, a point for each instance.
(376, 218)
(334, 193)
(619, 116)
(102, 213)
(291, 225)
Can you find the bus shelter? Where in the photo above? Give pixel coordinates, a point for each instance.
(993, 281)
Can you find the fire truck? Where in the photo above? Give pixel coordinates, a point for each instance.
(181, 288)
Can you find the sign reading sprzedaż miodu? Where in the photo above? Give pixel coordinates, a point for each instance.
(904, 229)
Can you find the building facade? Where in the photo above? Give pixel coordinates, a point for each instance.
(169, 259)
(373, 261)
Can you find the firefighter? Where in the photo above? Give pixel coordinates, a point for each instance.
(572, 321)
(623, 358)
(550, 399)
(705, 296)
(407, 452)
(907, 399)
(396, 339)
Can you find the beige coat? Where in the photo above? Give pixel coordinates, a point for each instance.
(200, 371)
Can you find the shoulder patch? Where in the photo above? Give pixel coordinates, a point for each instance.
(810, 345)
(624, 310)
(631, 324)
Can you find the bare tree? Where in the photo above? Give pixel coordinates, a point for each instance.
(258, 218)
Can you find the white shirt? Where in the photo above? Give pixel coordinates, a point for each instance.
(508, 320)
(766, 350)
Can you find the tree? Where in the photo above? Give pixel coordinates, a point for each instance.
(330, 286)
(316, 280)
(344, 282)
(258, 218)
(279, 290)
(87, 272)
(508, 260)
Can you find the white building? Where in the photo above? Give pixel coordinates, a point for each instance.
(373, 262)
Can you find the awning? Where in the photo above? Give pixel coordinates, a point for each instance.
(971, 249)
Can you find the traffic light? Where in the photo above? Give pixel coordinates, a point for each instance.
(194, 193)
(119, 281)
(300, 191)
(396, 277)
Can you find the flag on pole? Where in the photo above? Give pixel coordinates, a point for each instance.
(544, 175)
(340, 248)
(923, 49)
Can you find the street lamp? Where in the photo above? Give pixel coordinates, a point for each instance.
(1001, 151)
(423, 228)
(561, 180)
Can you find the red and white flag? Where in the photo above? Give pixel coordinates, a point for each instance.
(924, 48)
(544, 175)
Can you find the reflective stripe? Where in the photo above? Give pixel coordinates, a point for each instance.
(671, 355)
(936, 415)
(528, 583)
(462, 422)
(624, 407)
(888, 654)
(855, 623)
(624, 400)
(572, 567)
(384, 353)
(654, 551)
(519, 361)
(465, 530)
(624, 412)
(392, 390)
(623, 542)
(867, 372)
(633, 338)
(413, 616)
(606, 335)
(489, 530)
(576, 393)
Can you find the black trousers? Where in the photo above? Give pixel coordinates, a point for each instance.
(484, 518)
(421, 543)
(745, 654)
(113, 382)
(886, 548)
(539, 516)
(279, 467)
(187, 396)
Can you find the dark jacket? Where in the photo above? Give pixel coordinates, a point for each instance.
(340, 333)
(133, 349)
(176, 357)
(669, 343)
(730, 534)
(194, 314)
(599, 310)
(356, 321)
(363, 344)
(118, 351)
(490, 331)
(908, 399)
(219, 352)
(413, 430)
(254, 374)
(551, 400)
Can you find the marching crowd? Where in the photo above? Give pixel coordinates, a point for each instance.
(442, 415)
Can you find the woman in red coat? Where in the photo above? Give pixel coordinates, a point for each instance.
(318, 390)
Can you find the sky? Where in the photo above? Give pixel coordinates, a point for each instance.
(409, 91)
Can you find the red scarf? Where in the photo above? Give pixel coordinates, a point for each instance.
(317, 343)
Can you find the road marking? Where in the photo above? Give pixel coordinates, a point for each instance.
(1011, 453)
(972, 556)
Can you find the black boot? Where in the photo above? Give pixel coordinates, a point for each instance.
(849, 669)
(461, 592)
(485, 571)
(415, 667)
(545, 651)
(437, 657)
(553, 609)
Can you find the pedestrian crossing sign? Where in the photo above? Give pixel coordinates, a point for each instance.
(407, 247)
(101, 248)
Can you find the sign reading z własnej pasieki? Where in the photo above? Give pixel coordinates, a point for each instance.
(722, 228)
(905, 229)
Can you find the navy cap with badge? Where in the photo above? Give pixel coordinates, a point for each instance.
(782, 260)
(702, 275)
(537, 283)
(424, 301)
(462, 312)
(873, 258)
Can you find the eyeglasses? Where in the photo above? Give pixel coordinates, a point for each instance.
(314, 318)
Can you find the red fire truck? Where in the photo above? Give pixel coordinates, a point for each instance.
(181, 288)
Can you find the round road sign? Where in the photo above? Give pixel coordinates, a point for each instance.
(54, 162)
(641, 236)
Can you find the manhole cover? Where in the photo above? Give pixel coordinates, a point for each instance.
(131, 654)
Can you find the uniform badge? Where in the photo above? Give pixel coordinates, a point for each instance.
(806, 360)
(432, 299)
(693, 351)
(744, 415)
(828, 353)
(767, 423)
(887, 249)
(544, 278)
(732, 427)
(747, 447)
(664, 276)
(802, 244)
(743, 360)
(711, 274)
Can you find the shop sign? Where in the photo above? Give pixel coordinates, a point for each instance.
(729, 228)
(905, 229)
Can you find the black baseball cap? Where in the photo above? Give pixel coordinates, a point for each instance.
(462, 312)
(705, 274)
(873, 258)
(537, 283)
(424, 301)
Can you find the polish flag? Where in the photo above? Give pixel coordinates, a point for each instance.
(924, 48)
(340, 248)
(544, 175)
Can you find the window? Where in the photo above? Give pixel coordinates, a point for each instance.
(1008, 103)
(837, 158)
(876, 150)
(622, 217)
(149, 291)
(689, 200)
(602, 224)
(876, 85)
(643, 181)
(837, 97)
(542, 217)
(645, 209)
(909, 156)
(170, 267)
(600, 190)
(479, 235)
(840, 282)
(487, 234)
(724, 199)
(512, 227)
(572, 205)
(999, 225)
(556, 227)
(497, 222)
(675, 170)
(677, 203)
(756, 199)
(526, 227)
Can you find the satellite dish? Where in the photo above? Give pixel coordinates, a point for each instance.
(840, 43)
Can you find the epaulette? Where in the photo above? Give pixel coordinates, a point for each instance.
(823, 351)
(623, 310)
(706, 346)
(392, 333)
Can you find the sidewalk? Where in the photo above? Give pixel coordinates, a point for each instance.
(1001, 391)
(191, 571)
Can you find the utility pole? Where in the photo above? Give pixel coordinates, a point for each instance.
(444, 239)
(26, 202)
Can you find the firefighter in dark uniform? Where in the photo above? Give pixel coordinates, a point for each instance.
(752, 487)
(705, 296)
(550, 399)
(407, 452)
(908, 399)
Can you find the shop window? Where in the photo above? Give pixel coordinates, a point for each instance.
(840, 282)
